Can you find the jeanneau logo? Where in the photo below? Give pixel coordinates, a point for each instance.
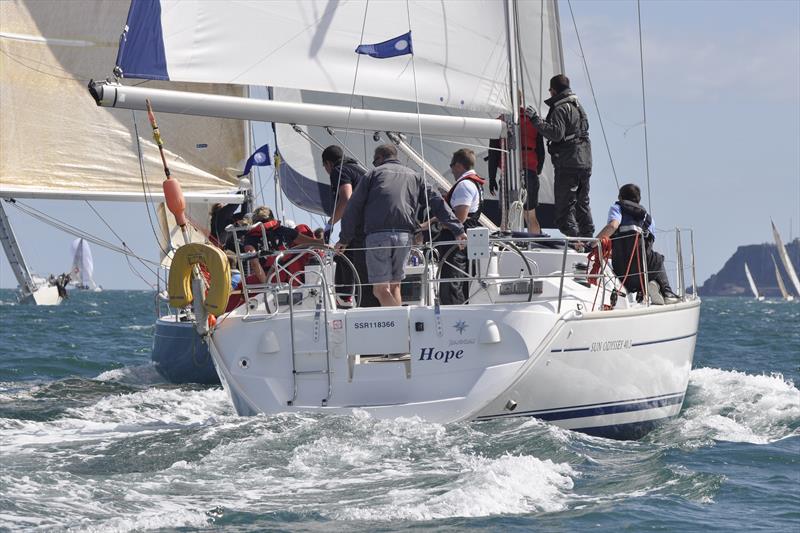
(460, 326)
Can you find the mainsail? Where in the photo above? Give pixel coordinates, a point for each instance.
(787, 263)
(56, 143)
(464, 56)
(750, 281)
(83, 263)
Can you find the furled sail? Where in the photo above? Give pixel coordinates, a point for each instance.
(787, 263)
(83, 263)
(750, 281)
(56, 143)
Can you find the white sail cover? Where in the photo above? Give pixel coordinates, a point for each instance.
(787, 263)
(56, 143)
(460, 48)
(82, 263)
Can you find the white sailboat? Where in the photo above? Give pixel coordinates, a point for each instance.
(31, 288)
(787, 263)
(752, 284)
(534, 340)
(82, 273)
(781, 286)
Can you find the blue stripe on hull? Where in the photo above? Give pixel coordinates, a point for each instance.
(633, 430)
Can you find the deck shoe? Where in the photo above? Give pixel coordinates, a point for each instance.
(654, 290)
(671, 298)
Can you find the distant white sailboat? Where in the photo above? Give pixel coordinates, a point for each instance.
(752, 284)
(787, 263)
(83, 266)
(32, 289)
(781, 287)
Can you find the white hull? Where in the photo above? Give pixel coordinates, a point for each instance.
(45, 295)
(612, 373)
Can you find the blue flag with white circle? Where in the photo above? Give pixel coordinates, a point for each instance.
(260, 158)
(400, 45)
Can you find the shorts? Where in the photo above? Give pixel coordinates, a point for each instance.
(532, 188)
(387, 253)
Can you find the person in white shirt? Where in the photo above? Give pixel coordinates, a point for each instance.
(466, 200)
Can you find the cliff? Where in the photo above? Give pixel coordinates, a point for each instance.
(731, 281)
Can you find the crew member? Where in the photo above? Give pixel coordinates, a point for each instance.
(345, 174)
(567, 130)
(386, 203)
(629, 224)
(465, 198)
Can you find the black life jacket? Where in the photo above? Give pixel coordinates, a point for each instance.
(472, 220)
(635, 222)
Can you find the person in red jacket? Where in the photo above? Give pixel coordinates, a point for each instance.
(531, 145)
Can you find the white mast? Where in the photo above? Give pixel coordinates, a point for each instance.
(787, 263)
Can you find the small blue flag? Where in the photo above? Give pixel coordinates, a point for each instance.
(260, 158)
(398, 46)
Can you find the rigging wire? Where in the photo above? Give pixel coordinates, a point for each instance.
(77, 232)
(644, 110)
(419, 125)
(594, 97)
(124, 245)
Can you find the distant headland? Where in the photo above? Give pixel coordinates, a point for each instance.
(731, 280)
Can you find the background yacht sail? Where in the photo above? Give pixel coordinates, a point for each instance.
(82, 264)
(787, 263)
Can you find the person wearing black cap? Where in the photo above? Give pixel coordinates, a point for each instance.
(566, 129)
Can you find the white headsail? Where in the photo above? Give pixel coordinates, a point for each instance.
(787, 263)
(83, 263)
(752, 283)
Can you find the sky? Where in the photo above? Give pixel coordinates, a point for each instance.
(722, 89)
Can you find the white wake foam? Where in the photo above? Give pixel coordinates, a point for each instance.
(118, 416)
(482, 487)
(133, 375)
(734, 406)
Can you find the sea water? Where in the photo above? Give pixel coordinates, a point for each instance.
(92, 440)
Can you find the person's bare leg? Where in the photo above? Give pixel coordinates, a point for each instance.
(395, 290)
(533, 222)
(383, 293)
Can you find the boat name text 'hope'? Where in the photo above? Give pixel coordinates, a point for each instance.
(429, 354)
